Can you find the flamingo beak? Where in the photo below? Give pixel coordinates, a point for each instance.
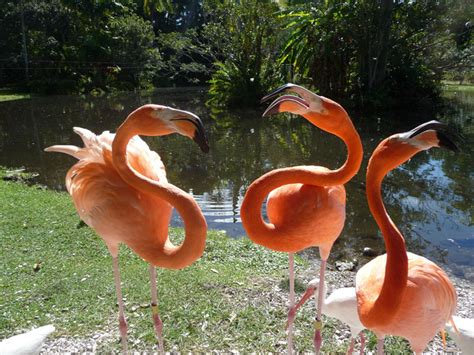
(295, 102)
(200, 137)
(197, 134)
(442, 133)
(277, 91)
(284, 103)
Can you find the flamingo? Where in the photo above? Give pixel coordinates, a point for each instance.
(28, 343)
(306, 204)
(341, 304)
(402, 293)
(119, 189)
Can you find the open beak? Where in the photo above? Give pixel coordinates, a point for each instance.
(194, 128)
(443, 134)
(287, 103)
(283, 88)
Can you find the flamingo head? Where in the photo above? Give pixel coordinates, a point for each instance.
(314, 283)
(319, 110)
(398, 148)
(158, 120)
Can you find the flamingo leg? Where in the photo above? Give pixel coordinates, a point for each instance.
(362, 343)
(350, 350)
(158, 324)
(122, 321)
(292, 312)
(318, 324)
(291, 299)
(380, 346)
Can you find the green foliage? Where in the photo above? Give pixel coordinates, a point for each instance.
(81, 46)
(149, 6)
(320, 45)
(373, 53)
(187, 59)
(244, 35)
(132, 48)
(369, 53)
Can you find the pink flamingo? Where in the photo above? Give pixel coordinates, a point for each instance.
(401, 293)
(306, 204)
(119, 189)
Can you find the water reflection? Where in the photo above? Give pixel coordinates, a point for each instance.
(429, 197)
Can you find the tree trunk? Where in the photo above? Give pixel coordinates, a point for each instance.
(23, 37)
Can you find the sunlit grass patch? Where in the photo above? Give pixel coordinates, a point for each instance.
(8, 95)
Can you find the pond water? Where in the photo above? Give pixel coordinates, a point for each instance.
(429, 198)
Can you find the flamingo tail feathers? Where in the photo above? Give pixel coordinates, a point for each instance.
(66, 149)
(454, 326)
(87, 136)
(443, 337)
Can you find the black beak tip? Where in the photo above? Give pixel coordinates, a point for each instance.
(205, 148)
(202, 142)
(446, 142)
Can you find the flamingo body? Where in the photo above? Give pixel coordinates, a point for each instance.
(342, 305)
(401, 293)
(119, 188)
(100, 196)
(427, 304)
(28, 343)
(306, 204)
(314, 215)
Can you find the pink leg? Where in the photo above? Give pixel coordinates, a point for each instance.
(362, 342)
(291, 272)
(158, 324)
(122, 321)
(380, 346)
(318, 325)
(350, 350)
(292, 312)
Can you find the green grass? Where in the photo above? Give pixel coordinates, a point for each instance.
(8, 95)
(455, 86)
(55, 270)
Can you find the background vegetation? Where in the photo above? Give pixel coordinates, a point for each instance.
(371, 53)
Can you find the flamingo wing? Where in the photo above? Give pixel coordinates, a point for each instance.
(116, 211)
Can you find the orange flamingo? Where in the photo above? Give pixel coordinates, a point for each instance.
(306, 204)
(413, 298)
(119, 189)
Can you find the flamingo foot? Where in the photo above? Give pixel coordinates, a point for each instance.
(362, 343)
(158, 325)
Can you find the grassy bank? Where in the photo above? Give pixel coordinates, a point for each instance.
(455, 86)
(55, 270)
(8, 95)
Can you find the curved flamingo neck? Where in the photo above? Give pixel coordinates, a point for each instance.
(355, 152)
(194, 222)
(281, 239)
(382, 310)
